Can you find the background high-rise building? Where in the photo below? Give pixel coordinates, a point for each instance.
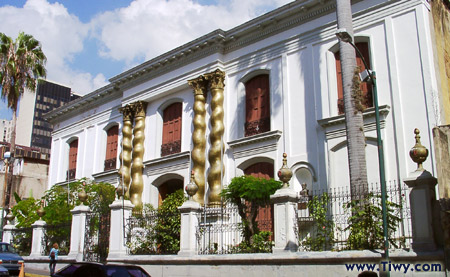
(5, 130)
(32, 129)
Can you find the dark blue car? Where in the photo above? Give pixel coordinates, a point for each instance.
(10, 259)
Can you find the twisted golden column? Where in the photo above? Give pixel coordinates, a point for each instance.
(216, 81)
(125, 154)
(137, 182)
(198, 136)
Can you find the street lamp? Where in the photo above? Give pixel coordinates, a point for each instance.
(344, 36)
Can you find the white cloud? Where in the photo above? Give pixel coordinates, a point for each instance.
(147, 28)
(61, 34)
(141, 31)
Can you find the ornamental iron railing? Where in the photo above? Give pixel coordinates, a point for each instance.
(330, 220)
(59, 234)
(221, 231)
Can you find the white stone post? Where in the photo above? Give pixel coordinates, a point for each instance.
(7, 233)
(422, 195)
(78, 230)
(37, 237)
(119, 216)
(189, 223)
(284, 201)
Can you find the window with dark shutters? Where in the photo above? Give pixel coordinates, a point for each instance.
(111, 147)
(171, 140)
(257, 105)
(73, 151)
(365, 87)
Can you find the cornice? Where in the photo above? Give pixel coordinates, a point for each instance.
(221, 42)
(93, 99)
(335, 126)
(167, 164)
(257, 144)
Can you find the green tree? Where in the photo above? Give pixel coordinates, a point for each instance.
(249, 193)
(22, 62)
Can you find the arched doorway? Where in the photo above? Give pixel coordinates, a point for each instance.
(167, 188)
(265, 214)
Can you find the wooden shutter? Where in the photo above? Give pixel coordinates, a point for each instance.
(171, 140)
(257, 105)
(73, 150)
(111, 142)
(366, 88)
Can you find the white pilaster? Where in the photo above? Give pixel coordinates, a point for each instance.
(38, 235)
(7, 233)
(421, 196)
(120, 213)
(284, 201)
(79, 214)
(189, 223)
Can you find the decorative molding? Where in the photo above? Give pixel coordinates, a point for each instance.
(106, 174)
(167, 164)
(335, 126)
(257, 144)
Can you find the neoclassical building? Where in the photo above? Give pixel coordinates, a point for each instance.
(232, 102)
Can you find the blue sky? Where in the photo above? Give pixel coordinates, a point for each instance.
(89, 41)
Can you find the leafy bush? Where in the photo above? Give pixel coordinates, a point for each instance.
(261, 244)
(249, 194)
(158, 231)
(323, 238)
(366, 222)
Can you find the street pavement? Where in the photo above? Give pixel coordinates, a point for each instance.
(30, 272)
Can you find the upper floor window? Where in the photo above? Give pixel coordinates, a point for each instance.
(365, 87)
(73, 151)
(171, 140)
(257, 105)
(111, 147)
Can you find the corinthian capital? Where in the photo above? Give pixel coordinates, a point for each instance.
(127, 112)
(216, 79)
(139, 108)
(199, 84)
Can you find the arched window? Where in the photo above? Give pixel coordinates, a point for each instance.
(73, 151)
(365, 87)
(257, 105)
(171, 140)
(111, 147)
(265, 214)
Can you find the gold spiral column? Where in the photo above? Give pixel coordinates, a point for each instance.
(198, 136)
(125, 154)
(137, 182)
(216, 80)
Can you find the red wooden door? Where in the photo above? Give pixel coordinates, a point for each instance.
(171, 140)
(111, 147)
(366, 88)
(257, 105)
(265, 214)
(73, 151)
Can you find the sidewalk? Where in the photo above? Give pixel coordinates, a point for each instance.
(29, 272)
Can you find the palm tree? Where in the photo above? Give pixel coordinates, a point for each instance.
(22, 62)
(353, 113)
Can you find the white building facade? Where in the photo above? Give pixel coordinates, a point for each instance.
(289, 57)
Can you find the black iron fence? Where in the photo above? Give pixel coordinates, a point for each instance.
(221, 231)
(22, 239)
(96, 239)
(153, 233)
(59, 234)
(331, 220)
